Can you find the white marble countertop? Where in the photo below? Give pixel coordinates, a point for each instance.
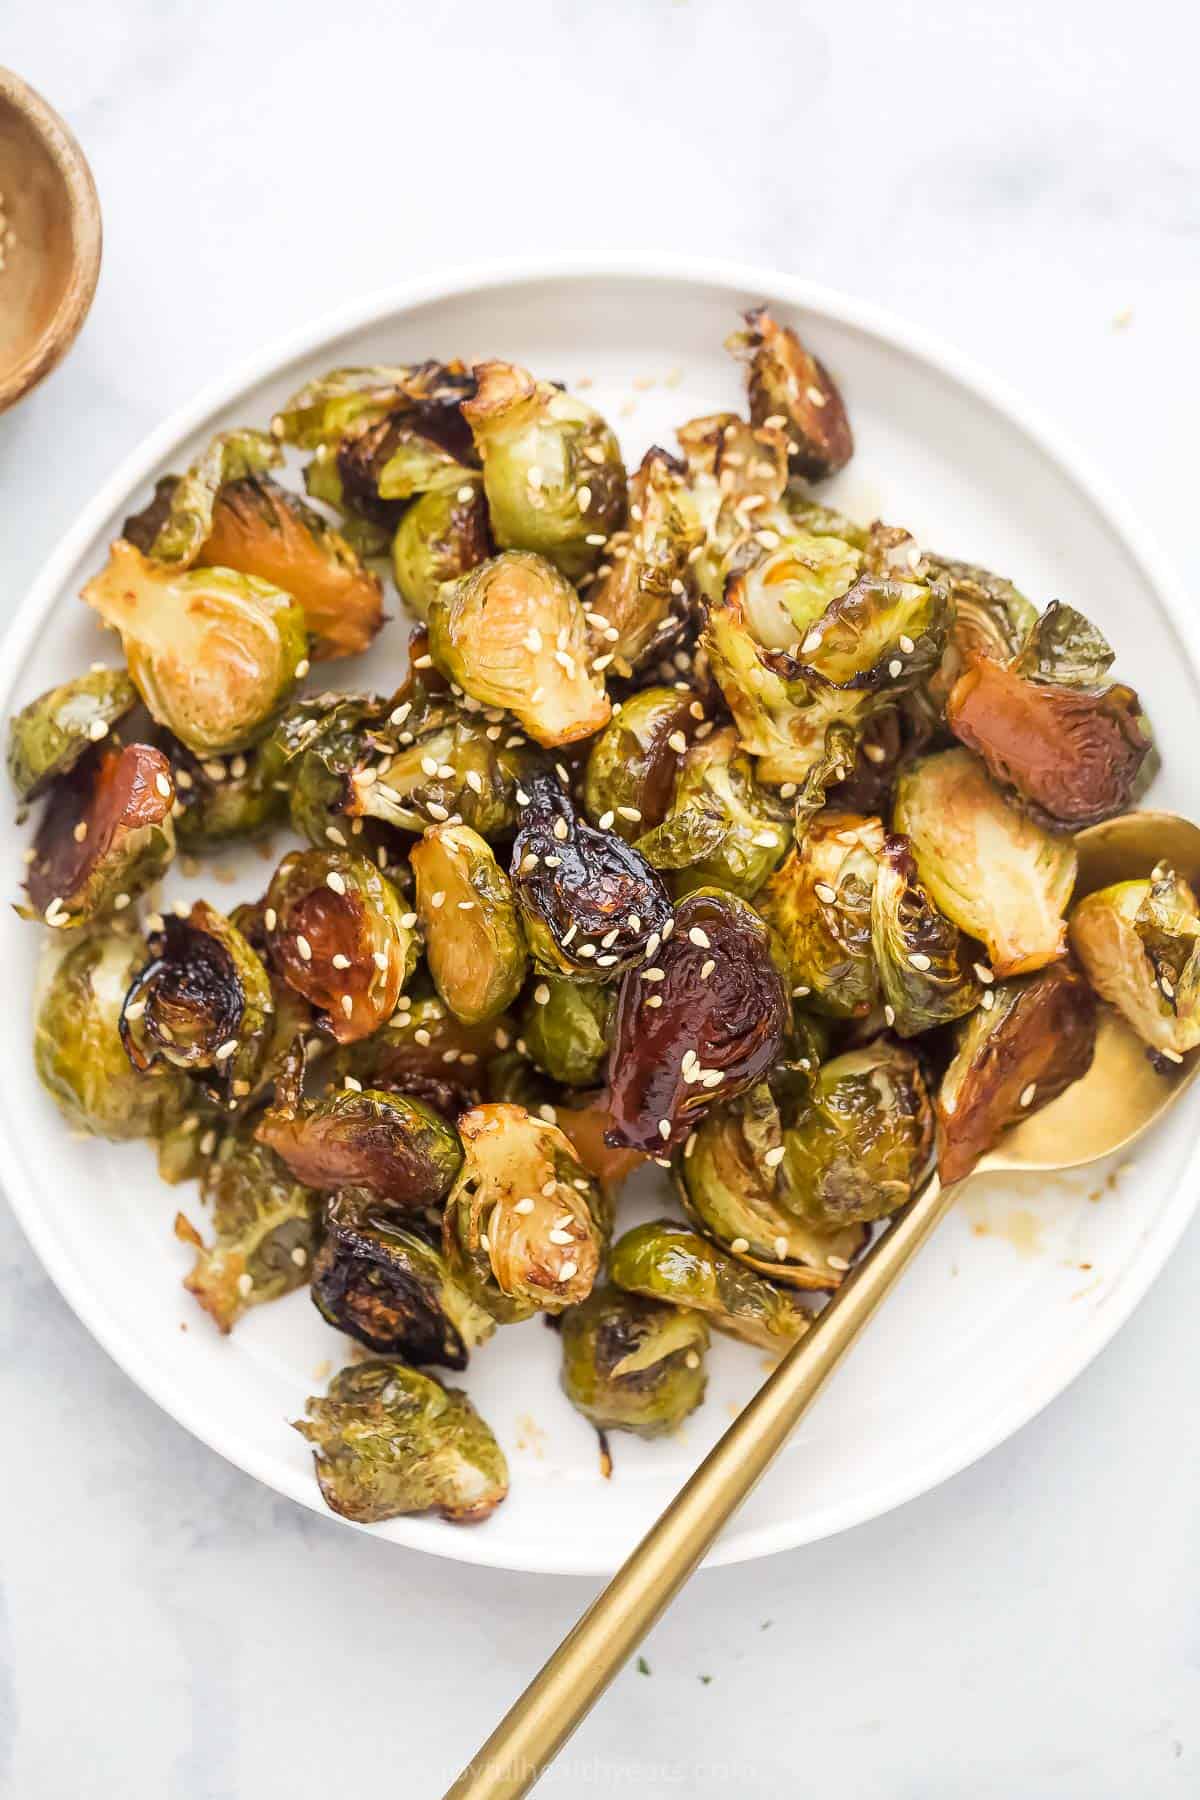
(1018, 177)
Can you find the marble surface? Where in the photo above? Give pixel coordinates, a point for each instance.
(1022, 178)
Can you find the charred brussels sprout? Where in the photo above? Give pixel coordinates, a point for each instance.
(213, 654)
(441, 536)
(1014, 1056)
(338, 932)
(324, 409)
(222, 799)
(266, 1227)
(996, 873)
(511, 632)
(819, 906)
(202, 1003)
(592, 906)
(1139, 943)
(857, 1149)
(668, 1261)
(790, 389)
(520, 1228)
(358, 1137)
(474, 943)
(565, 1026)
(724, 828)
(389, 1440)
(50, 735)
(389, 1289)
(638, 601)
(552, 469)
(702, 1022)
(632, 765)
(77, 1048)
(630, 1364)
(926, 968)
(729, 1177)
(106, 834)
(1048, 726)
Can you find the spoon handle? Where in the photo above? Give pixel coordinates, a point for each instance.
(539, 1724)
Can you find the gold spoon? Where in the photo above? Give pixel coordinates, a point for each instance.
(1120, 1097)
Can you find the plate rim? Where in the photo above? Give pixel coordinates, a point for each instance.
(878, 322)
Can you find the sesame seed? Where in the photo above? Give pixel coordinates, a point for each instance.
(587, 950)
(422, 1037)
(706, 969)
(541, 994)
(437, 899)
(347, 1005)
(354, 1084)
(584, 497)
(985, 974)
(422, 662)
(340, 961)
(529, 862)
(677, 742)
(711, 1078)
(568, 1270)
(400, 714)
(524, 1207)
(304, 947)
(1029, 1094)
(919, 960)
(654, 1000)
(653, 975)
(97, 730)
(987, 999)
(437, 812)
(335, 836)
(838, 1262)
(245, 1285)
(1171, 1055)
(599, 663)
(889, 1015)
(664, 1129)
(800, 991)
(765, 840)
(605, 820)
(907, 645)
(408, 920)
(80, 831)
(631, 813)
(208, 1143)
(595, 538)
(895, 667)
(561, 830)
(606, 962)
(740, 1245)
(824, 892)
(163, 786)
(335, 881)
(228, 1048)
(302, 668)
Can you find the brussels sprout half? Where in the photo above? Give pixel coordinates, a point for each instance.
(747, 828)
(785, 585)
(390, 1289)
(1014, 1056)
(552, 469)
(338, 932)
(638, 601)
(666, 1260)
(632, 765)
(394, 1145)
(522, 1228)
(49, 736)
(1139, 943)
(389, 1440)
(819, 906)
(441, 536)
(107, 833)
(995, 872)
(926, 967)
(474, 942)
(323, 410)
(213, 654)
(631, 1364)
(565, 1029)
(702, 1022)
(511, 632)
(791, 390)
(266, 1227)
(77, 1048)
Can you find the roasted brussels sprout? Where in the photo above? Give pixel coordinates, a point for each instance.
(730, 1186)
(213, 654)
(390, 1289)
(222, 799)
(50, 735)
(424, 1050)
(565, 1027)
(926, 968)
(734, 471)
(665, 1260)
(717, 785)
(992, 618)
(791, 390)
(511, 632)
(474, 941)
(441, 536)
(592, 906)
(202, 1003)
(324, 408)
(360, 1137)
(1049, 728)
(1139, 943)
(630, 1364)
(704, 1021)
(266, 1227)
(176, 524)
(339, 933)
(1014, 1056)
(106, 834)
(992, 870)
(819, 907)
(389, 1440)
(858, 1147)
(786, 586)
(521, 1227)
(77, 1048)
(639, 598)
(326, 742)
(632, 765)
(552, 469)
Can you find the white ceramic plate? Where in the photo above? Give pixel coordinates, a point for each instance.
(1022, 1286)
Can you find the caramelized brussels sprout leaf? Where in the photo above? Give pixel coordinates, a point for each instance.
(389, 1288)
(633, 764)
(49, 736)
(394, 1145)
(441, 536)
(992, 870)
(737, 475)
(926, 968)
(791, 390)
(631, 1364)
(474, 941)
(702, 1022)
(565, 1029)
(819, 906)
(992, 618)
(107, 833)
(639, 599)
(1014, 1056)
(389, 1440)
(266, 1227)
(521, 1228)
(213, 654)
(666, 1260)
(339, 933)
(1139, 943)
(552, 469)
(178, 521)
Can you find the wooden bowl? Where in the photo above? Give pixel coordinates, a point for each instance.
(49, 238)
